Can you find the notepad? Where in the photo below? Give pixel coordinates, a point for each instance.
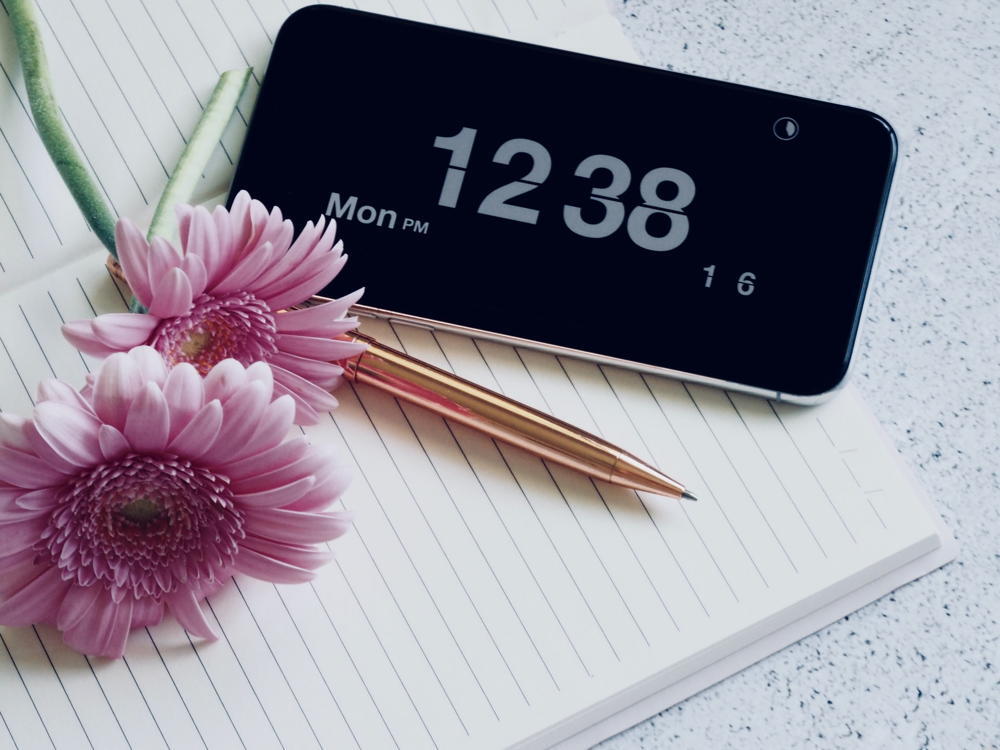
(484, 598)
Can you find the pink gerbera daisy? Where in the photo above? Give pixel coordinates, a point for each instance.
(149, 491)
(225, 296)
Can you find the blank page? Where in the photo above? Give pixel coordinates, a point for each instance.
(484, 597)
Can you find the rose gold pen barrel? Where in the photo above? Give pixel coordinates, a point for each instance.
(502, 418)
(498, 416)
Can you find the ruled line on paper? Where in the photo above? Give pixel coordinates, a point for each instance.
(145, 70)
(444, 553)
(778, 478)
(412, 496)
(813, 472)
(413, 634)
(642, 501)
(611, 515)
(121, 91)
(451, 564)
(388, 658)
(590, 544)
(354, 664)
(502, 451)
(704, 484)
(514, 543)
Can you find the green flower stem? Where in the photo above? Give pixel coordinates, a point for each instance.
(183, 180)
(53, 133)
(214, 119)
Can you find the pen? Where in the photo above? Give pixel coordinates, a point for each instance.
(502, 418)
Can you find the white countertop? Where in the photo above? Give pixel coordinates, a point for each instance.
(919, 668)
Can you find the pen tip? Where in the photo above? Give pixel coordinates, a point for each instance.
(688, 496)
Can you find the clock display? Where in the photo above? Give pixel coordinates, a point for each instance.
(643, 215)
(619, 176)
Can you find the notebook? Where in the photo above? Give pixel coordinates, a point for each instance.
(484, 598)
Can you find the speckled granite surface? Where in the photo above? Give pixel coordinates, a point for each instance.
(920, 668)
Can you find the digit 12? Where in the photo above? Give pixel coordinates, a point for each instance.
(608, 196)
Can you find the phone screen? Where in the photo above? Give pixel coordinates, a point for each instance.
(664, 219)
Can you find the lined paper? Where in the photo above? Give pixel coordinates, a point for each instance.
(484, 598)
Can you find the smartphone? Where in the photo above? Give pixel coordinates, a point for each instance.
(708, 231)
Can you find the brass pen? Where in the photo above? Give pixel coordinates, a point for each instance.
(509, 421)
(502, 418)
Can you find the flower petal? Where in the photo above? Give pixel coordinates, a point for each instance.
(146, 613)
(268, 460)
(313, 462)
(291, 259)
(266, 568)
(243, 411)
(91, 632)
(320, 373)
(310, 318)
(304, 413)
(116, 384)
(23, 534)
(27, 471)
(51, 389)
(272, 428)
(38, 500)
(162, 256)
(249, 267)
(37, 601)
(189, 614)
(147, 426)
(80, 333)
(225, 225)
(172, 295)
(301, 556)
(326, 491)
(277, 496)
(185, 394)
(75, 605)
(17, 567)
(290, 526)
(261, 371)
(132, 251)
(113, 646)
(307, 261)
(224, 379)
(45, 452)
(321, 274)
(150, 362)
(70, 432)
(122, 331)
(194, 269)
(200, 433)
(323, 349)
(113, 443)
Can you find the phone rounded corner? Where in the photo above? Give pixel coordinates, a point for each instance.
(296, 18)
(814, 397)
(886, 129)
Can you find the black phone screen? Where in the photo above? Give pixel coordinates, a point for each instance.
(669, 220)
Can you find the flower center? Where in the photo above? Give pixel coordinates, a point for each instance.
(144, 525)
(141, 510)
(239, 326)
